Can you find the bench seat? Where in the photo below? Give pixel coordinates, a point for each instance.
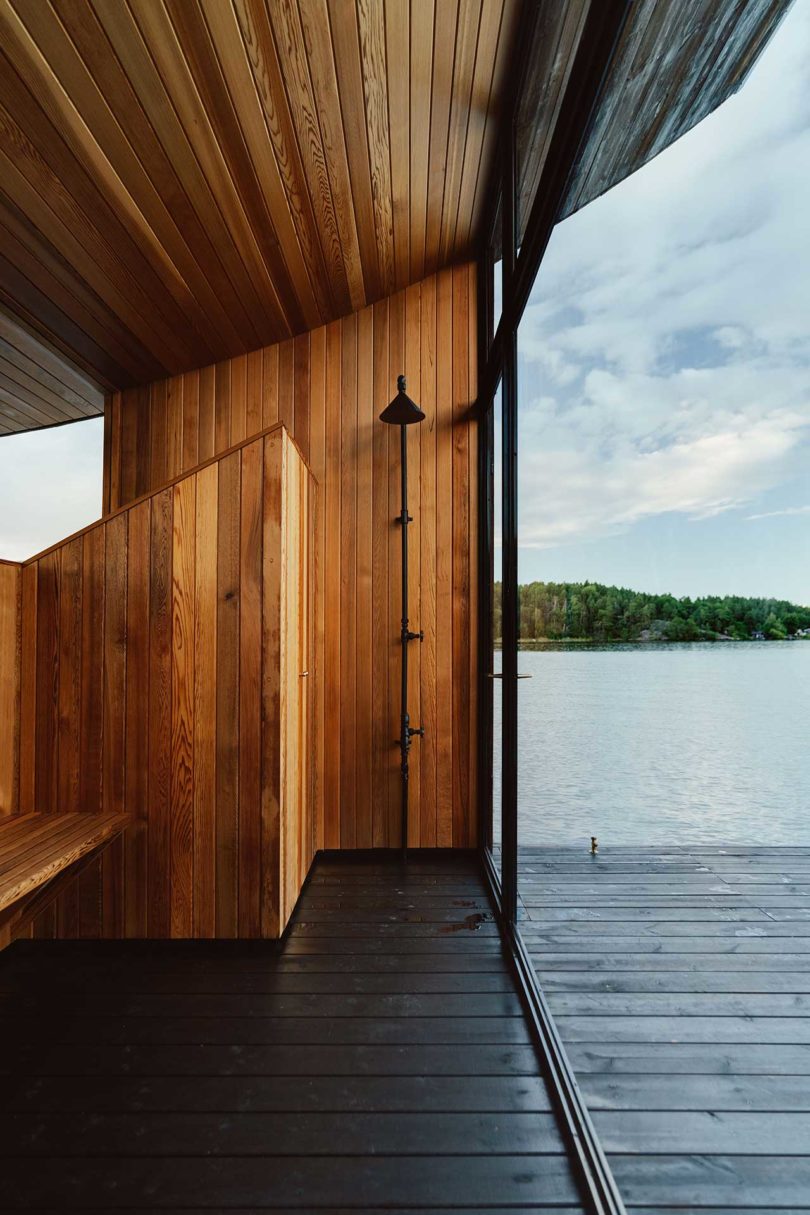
(35, 848)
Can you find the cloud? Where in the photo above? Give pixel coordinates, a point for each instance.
(665, 352)
(775, 514)
(50, 486)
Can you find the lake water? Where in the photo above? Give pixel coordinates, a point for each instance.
(679, 744)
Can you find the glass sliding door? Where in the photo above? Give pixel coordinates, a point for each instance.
(494, 671)
(498, 656)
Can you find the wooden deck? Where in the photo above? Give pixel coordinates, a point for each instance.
(379, 1059)
(680, 981)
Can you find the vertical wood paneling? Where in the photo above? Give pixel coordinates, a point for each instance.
(160, 716)
(112, 423)
(250, 689)
(329, 386)
(349, 450)
(269, 385)
(116, 537)
(286, 384)
(222, 406)
(158, 406)
(115, 663)
(253, 393)
(428, 704)
(462, 588)
(10, 640)
(137, 720)
(414, 439)
(174, 431)
(317, 462)
(46, 728)
(301, 422)
(238, 398)
(381, 640)
(227, 694)
(28, 688)
(445, 668)
(396, 364)
(165, 605)
(272, 711)
(65, 757)
(158, 658)
(206, 435)
(92, 689)
(291, 758)
(191, 421)
(182, 768)
(364, 745)
(333, 637)
(206, 693)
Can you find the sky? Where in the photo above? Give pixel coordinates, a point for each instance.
(50, 485)
(664, 371)
(664, 360)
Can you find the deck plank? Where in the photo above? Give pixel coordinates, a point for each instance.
(679, 980)
(379, 1059)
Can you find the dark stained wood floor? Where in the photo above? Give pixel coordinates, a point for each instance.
(680, 982)
(379, 1060)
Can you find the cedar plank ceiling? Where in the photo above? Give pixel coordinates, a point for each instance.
(38, 385)
(183, 181)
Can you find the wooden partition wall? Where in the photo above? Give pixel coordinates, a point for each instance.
(160, 661)
(10, 583)
(329, 386)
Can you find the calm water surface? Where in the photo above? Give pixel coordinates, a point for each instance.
(682, 744)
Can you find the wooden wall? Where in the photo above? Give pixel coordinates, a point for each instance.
(329, 386)
(10, 583)
(150, 684)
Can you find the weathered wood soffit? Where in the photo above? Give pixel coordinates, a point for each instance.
(186, 180)
(676, 62)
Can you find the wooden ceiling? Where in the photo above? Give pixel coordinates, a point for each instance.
(182, 181)
(186, 180)
(675, 63)
(38, 385)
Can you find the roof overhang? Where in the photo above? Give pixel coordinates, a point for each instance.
(186, 180)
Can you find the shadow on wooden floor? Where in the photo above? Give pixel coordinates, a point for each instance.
(378, 1059)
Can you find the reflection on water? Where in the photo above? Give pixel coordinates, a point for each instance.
(685, 744)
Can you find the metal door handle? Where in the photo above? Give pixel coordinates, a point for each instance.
(499, 675)
(304, 674)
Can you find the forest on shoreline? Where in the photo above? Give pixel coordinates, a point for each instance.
(589, 611)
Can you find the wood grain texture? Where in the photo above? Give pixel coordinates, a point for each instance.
(186, 181)
(680, 993)
(246, 1060)
(10, 656)
(330, 387)
(675, 64)
(34, 848)
(162, 698)
(39, 385)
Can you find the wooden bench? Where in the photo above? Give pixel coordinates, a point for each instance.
(37, 849)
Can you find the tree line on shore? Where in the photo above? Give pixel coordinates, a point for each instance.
(589, 611)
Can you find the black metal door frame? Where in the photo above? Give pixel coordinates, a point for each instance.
(498, 363)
